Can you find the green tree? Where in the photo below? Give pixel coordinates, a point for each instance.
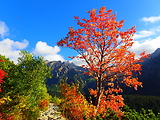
(25, 86)
(34, 72)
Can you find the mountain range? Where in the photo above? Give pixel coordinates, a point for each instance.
(68, 72)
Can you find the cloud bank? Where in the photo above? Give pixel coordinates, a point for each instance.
(143, 34)
(48, 52)
(148, 45)
(11, 48)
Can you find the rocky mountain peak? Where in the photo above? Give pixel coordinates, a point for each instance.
(156, 53)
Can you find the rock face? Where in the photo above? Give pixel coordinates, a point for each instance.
(51, 114)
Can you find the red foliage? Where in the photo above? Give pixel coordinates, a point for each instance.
(2, 75)
(11, 117)
(1, 116)
(109, 100)
(44, 104)
(75, 106)
(6, 117)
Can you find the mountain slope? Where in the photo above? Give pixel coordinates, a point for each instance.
(151, 75)
(70, 73)
(65, 72)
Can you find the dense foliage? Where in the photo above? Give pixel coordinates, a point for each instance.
(138, 102)
(24, 90)
(132, 114)
(74, 105)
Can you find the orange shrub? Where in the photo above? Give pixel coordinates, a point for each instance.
(74, 105)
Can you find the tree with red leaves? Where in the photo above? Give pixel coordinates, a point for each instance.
(2, 75)
(105, 47)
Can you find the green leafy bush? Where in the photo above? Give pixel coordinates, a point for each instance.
(132, 114)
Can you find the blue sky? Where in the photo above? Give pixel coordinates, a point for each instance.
(37, 25)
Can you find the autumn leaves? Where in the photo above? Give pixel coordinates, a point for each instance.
(104, 47)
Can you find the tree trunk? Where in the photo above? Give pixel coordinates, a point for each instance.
(99, 93)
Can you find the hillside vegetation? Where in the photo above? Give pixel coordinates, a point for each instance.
(24, 92)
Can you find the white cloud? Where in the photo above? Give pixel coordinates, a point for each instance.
(145, 41)
(151, 19)
(3, 29)
(48, 52)
(11, 48)
(148, 45)
(143, 34)
(78, 62)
